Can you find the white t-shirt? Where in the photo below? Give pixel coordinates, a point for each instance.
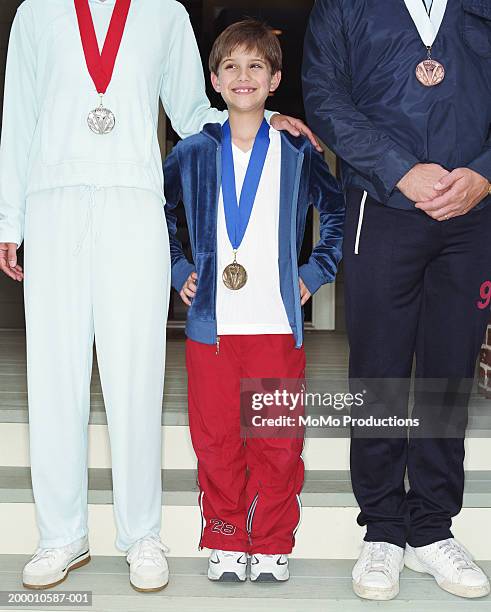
(257, 308)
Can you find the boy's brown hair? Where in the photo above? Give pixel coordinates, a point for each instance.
(252, 35)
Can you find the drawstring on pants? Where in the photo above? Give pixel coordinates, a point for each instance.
(89, 218)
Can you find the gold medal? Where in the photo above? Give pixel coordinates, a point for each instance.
(235, 275)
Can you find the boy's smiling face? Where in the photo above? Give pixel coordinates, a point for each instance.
(244, 80)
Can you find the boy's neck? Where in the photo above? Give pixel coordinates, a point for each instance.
(244, 127)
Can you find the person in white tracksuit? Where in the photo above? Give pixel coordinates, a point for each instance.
(90, 211)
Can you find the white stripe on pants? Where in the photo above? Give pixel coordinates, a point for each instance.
(97, 263)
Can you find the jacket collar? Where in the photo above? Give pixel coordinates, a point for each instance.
(298, 143)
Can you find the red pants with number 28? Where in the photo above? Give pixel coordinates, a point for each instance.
(249, 488)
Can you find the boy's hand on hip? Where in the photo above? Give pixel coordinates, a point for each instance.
(295, 127)
(305, 294)
(8, 261)
(189, 288)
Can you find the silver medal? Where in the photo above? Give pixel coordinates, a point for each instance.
(101, 120)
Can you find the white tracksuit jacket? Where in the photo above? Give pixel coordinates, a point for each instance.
(46, 142)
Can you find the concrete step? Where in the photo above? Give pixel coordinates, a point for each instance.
(13, 401)
(314, 586)
(178, 453)
(327, 363)
(322, 488)
(328, 528)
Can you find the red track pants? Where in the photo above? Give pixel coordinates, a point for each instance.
(249, 488)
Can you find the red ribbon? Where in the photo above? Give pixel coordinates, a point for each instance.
(101, 65)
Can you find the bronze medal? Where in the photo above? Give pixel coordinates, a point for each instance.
(429, 72)
(238, 214)
(428, 18)
(234, 276)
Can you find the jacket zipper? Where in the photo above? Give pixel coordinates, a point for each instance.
(293, 250)
(293, 247)
(219, 181)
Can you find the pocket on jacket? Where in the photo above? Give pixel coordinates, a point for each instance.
(203, 304)
(476, 26)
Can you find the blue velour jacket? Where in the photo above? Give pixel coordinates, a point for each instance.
(192, 174)
(363, 99)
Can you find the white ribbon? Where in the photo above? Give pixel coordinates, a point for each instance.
(427, 25)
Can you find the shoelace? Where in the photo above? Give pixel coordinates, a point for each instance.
(147, 548)
(254, 557)
(48, 554)
(379, 557)
(230, 553)
(457, 554)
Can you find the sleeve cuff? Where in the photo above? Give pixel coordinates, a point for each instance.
(11, 237)
(180, 273)
(482, 165)
(392, 166)
(311, 277)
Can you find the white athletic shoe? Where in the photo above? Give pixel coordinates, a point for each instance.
(50, 566)
(227, 565)
(269, 568)
(451, 565)
(149, 570)
(376, 573)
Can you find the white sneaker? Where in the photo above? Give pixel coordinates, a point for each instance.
(269, 568)
(376, 573)
(50, 566)
(149, 570)
(451, 566)
(227, 565)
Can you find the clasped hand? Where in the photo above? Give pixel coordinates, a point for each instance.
(442, 194)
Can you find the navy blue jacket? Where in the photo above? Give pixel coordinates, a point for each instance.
(363, 99)
(192, 173)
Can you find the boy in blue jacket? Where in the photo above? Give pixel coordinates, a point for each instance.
(246, 190)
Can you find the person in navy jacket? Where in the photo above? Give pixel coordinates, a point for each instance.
(401, 92)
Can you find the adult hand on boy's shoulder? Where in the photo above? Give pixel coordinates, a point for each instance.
(305, 294)
(296, 127)
(189, 288)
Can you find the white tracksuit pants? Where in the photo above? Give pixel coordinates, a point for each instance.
(97, 264)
